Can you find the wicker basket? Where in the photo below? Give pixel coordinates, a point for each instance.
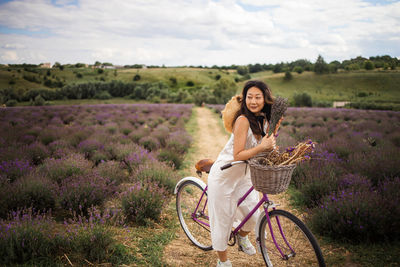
(270, 179)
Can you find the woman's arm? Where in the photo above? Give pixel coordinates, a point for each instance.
(240, 130)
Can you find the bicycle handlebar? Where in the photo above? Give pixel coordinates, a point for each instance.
(233, 163)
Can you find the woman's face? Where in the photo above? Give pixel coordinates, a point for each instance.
(255, 100)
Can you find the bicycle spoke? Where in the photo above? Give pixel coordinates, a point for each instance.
(188, 203)
(292, 237)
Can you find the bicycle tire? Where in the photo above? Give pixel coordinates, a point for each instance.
(187, 198)
(306, 249)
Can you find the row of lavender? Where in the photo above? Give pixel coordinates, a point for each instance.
(81, 168)
(351, 188)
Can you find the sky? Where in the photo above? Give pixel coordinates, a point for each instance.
(203, 32)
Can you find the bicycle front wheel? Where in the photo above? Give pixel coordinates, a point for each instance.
(191, 206)
(293, 239)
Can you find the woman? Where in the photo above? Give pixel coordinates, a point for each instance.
(226, 187)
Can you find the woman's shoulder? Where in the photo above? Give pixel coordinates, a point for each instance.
(242, 122)
(242, 119)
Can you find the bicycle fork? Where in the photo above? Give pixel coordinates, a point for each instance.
(267, 205)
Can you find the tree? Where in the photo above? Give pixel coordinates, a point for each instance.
(298, 69)
(320, 66)
(242, 70)
(302, 100)
(368, 65)
(288, 76)
(136, 77)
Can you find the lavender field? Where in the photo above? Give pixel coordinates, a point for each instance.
(70, 173)
(350, 189)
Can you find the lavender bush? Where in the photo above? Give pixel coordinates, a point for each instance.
(113, 171)
(60, 169)
(28, 237)
(32, 191)
(79, 193)
(158, 173)
(357, 153)
(13, 169)
(143, 201)
(74, 158)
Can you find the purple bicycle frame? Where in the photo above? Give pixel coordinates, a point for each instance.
(265, 198)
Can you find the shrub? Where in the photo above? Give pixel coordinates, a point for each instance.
(28, 238)
(170, 157)
(298, 69)
(102, 95)
(161, 133)
(178, 141)
(93, 242)
(139, 133)
(37, 152)
(136, 77)
(11, 170)
(11, 103)
(149, 142)
(288, 76)
(302, 100)
(143, 201)
(156, 172)
(79, 193)
(112, 170)
(357, 215)
(48, 135)
(137, 157)
(57, 145)
(32, 191)
(89, 146)
(59, 169)
(317, 178)
(39, 101)
(376, 163)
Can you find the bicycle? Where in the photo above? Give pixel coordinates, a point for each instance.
(281, 237)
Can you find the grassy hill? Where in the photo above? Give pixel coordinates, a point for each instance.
(175, 77)
(356, 86)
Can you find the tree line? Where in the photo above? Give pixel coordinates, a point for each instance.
(155, 92)
(320, 66)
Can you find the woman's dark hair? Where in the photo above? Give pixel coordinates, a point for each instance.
(266, 111)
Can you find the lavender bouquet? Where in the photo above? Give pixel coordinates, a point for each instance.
(278, 109)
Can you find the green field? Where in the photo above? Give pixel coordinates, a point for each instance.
(342, 86)
(375, 86)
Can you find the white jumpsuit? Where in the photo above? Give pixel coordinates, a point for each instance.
(225, 188)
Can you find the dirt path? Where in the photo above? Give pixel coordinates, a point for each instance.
(208, 142)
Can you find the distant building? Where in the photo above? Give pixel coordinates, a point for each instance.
(45, 65)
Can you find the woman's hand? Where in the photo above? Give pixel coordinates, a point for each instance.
(268, 143)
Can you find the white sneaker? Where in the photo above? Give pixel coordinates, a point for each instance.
(245, 245)
(224, 264)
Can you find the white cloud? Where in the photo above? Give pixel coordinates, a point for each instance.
(203, 32)
(9, 56)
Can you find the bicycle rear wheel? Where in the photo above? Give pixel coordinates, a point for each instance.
(191, 206)
(297, 243)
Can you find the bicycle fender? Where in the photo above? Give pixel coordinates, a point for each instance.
(189, 178)
(262, 214)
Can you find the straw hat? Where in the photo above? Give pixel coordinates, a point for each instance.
(230, 110)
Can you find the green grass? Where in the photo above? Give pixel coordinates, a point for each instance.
(198, 76)
(342, 86)
(355, 86)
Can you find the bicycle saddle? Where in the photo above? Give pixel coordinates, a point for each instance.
(203, 165)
